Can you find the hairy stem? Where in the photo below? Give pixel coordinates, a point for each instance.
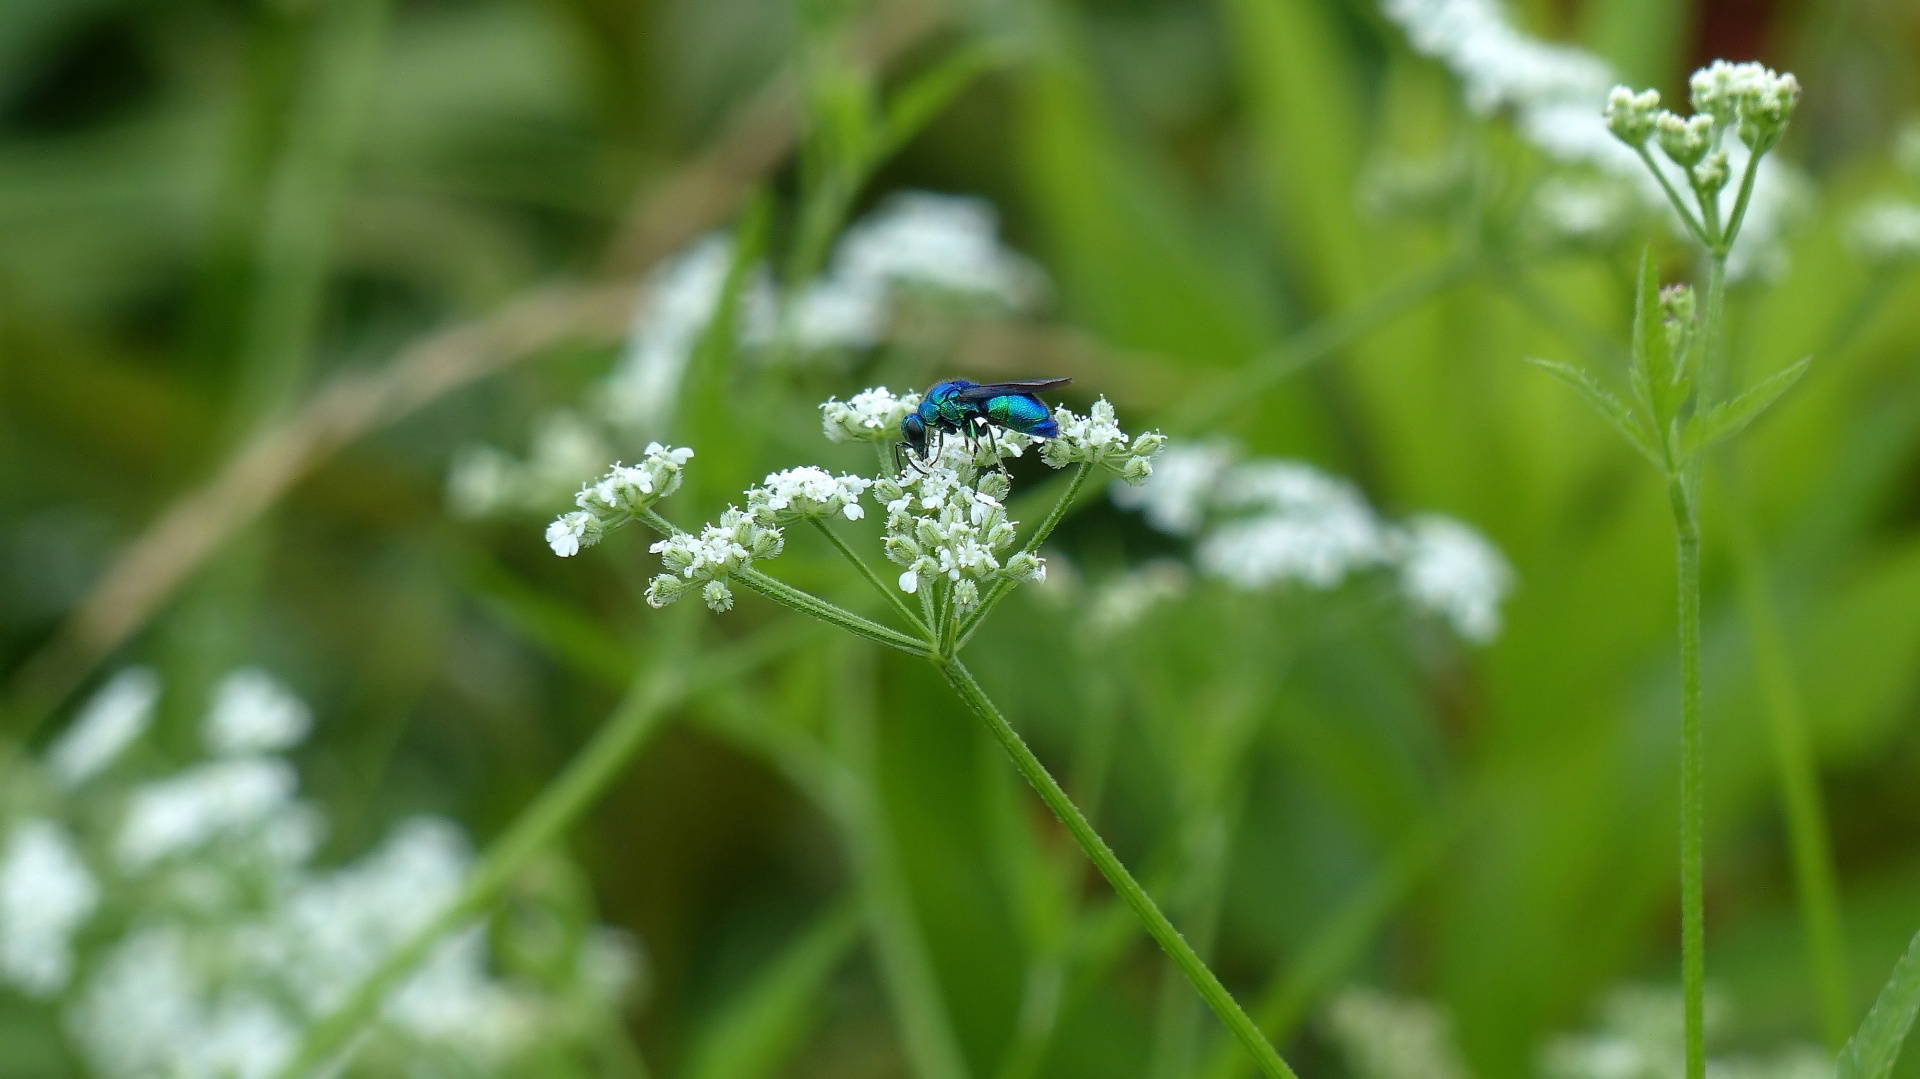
(1679, 205)
(805, 602)
(1103, 858)
(1692, 798)
(892, 595)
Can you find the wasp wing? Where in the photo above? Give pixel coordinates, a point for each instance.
(991, 390)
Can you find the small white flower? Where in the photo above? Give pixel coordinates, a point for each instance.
(46, 894)
(808, 492)
(571, 531)
(214, 799)
(1096, 438)
(910, 580)
(111, 721)
(1306, 528)
(872, 415)
(738, 540)
(1456, 573)
(254, 713)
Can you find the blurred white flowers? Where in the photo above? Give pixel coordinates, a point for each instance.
(1886, 233)
(112, 720)
(226, 943)
(930, 248)
(254, 713)
(1268, 523)
(1556, 95)
(46, 893)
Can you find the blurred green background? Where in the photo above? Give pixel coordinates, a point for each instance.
(213, 210)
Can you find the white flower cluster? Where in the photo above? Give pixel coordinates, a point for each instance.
(116, 716)
(485, 480)
(612, 500)
(950, 522)
(706, 561)
(1640, 1036)
(1384, 1037)
(46, 894)
(1556, 93)
(1264, 523)
(225, 944)
(1886, 233)
(799, 494)
(872, 415)
(933, 246)
(1096, 438)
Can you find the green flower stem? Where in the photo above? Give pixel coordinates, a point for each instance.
(1740, 204)
(892, 595)
(1001, 587)
(1693, 223)
(805, 602)
(1800, 799)
(535, 830)
(1692, 797)
(1103, 858)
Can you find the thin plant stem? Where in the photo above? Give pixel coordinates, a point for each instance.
(1800, 800)
(1103, 858)
(1692, 796)
(1686, 215)
(1740, 203)
(805, 602)
(891, 595)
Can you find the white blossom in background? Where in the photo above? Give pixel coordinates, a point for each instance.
(872, 415)
(1886, 233)
(215, 970)
(1296, 525)
(206, 802)
(1176, 498)
(1269, 523)
(1640, 1036)
(799, 494)
(948, 243)
(680, 301)
(1384, 1037)
(1555, 94)
(111, 721)
(254, 713)
(46, 894)
(1123, 602)
(485, 480)
(1451, 570)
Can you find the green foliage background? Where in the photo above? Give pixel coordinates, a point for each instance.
(208, 208)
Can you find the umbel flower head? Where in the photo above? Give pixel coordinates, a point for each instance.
(616, 497)
(949, 521)
(872, 415)
(706, 561)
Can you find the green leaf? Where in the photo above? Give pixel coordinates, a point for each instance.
(757, 1030)
(1608, 406)
(1876, 1046)
(1729, 418)
(1656, 380)
(928, 94)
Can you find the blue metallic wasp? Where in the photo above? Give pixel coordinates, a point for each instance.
(969, 409)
